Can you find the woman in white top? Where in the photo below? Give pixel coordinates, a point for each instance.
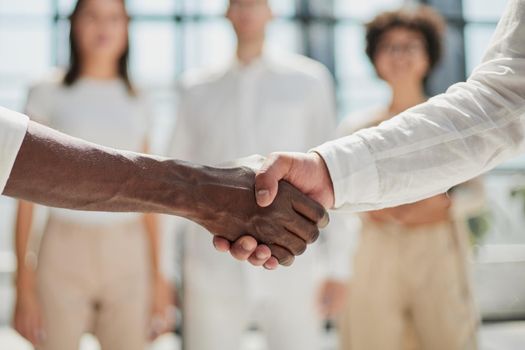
(94, 272)
(410, 288)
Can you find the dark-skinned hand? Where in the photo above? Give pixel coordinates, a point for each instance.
(286, 226)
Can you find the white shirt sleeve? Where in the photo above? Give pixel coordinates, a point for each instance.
(448, 140)
(13, 127)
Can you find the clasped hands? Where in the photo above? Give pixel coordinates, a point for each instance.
(269, 216)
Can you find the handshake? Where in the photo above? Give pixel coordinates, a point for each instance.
(267, 216)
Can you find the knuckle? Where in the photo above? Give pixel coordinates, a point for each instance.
(260, 176)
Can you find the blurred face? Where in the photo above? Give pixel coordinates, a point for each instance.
(401, 56)
(101, 29)
(249, 18)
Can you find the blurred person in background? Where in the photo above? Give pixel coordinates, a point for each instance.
(410, 287)
(93, 272)
(260, 103)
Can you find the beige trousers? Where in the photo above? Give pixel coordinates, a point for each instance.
(410, 290)
(94, 279)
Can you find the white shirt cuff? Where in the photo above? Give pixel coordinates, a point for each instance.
(13, 128)
(353, 172)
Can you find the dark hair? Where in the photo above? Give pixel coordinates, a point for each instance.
(421, 19)
(74, 70)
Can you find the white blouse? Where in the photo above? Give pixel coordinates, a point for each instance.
(103, 112)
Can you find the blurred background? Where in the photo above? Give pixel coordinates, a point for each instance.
(169, 37)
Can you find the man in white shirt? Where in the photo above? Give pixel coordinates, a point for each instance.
(41, 165)
(426, 150)
(260, 103)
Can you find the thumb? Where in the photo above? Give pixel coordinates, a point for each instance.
(274, 169)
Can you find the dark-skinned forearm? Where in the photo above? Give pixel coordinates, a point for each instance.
(57, 170)
(54, 169)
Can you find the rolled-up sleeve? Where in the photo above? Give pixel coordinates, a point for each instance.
(451, 138)
(13, 127)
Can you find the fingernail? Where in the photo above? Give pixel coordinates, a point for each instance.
(262, 193)
(220, 248)
(324, 221)
(261, 255)
(246, 246)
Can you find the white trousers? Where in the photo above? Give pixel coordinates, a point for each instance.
(222, 297)
(94, 279)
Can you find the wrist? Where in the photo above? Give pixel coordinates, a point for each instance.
(187, 190)
(198, 193)
(325, 181)
(165, 186)
(25, 283)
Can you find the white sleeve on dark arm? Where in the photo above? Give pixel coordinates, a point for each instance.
(448, 140)
(13, 127)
